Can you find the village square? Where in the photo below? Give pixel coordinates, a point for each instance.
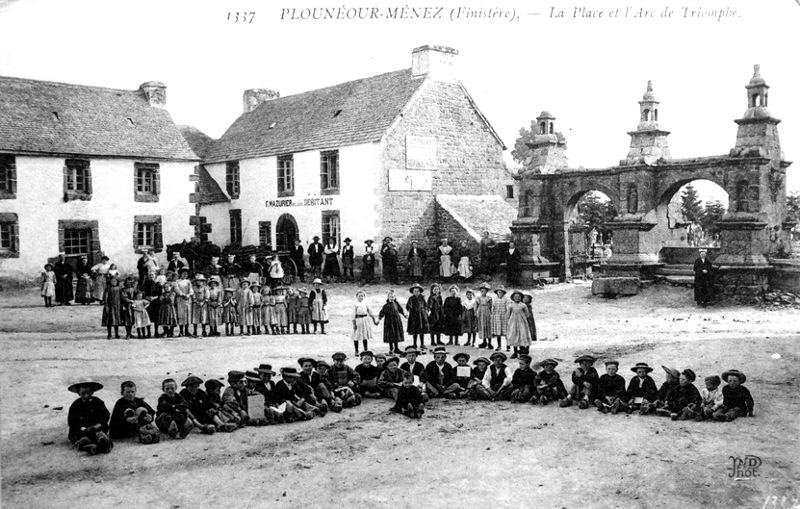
(362, 295)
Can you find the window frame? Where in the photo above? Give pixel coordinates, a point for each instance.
(282, 171)
(9, 221)
(233, 183)
(329, 179)
(327, 215)
(236, 231)
(153, 194)
(265, 234)
(73, 168)
(8, 177)
(158, 237)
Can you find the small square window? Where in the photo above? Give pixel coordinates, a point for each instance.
(329, 172)
(147, 182)
(77, 180)
(9, 235)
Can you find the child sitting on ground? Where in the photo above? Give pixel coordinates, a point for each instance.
(234, 399)
(682, 396)
(711, 400)
(173, 416)
(132, 417)
(737, 401)
(409, 398)
(213, 388)
(202, 408)
(523, 381)
(463, 375)
(611, 390)
(476, 389)
(641, 387)
(584, 383)
(661, 396)
(369, 373)
(344, 379)
(549, 386)
(497, 380)
(88, 419)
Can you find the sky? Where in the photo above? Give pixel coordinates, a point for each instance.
(588, 68)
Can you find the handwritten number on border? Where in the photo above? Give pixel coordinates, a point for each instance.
(241, 17)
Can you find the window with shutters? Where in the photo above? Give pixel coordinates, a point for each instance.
(147, 182)
(77, 241)
(232, 179)
(329, 172)
(147, 233)
(265, 234)
(8, 177)
(79, 237)
(236, 226)
(9, 235)
(77, 180)
(331, 226)
(286, 175)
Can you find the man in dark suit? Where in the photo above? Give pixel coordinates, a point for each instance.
(315, 250)
(703, 279)
(296, 254)
(513, 257)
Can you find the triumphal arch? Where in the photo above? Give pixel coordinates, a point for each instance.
(753, 231)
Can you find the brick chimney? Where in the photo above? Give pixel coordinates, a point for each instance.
(155, 92)
(435, 62)
(255, 96)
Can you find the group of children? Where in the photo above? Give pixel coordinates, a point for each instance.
(202, 307)
(319, 387)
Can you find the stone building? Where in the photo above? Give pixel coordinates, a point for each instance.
(754, 230)
(89, 171)
(364, 159)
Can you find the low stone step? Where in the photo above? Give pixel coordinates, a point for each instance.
(680, 280)
(664, 271)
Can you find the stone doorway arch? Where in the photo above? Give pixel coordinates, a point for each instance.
(286, 231)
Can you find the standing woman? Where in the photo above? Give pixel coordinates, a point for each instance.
(331, 269)
(445, 262)
(392, 325)
(63, 271)
(112, 307)
(368, 263)
(183, 302)
(281, 313)
(200, 304)
(348, 255)
(519, 333)
(527, 299)
(452, 316)
(318, 300)
(215, 296)
(436, 314)
(167, 318)
(513, 258)
(464, 264)
(416, 261)
(703, 279)
(48, 285)
(83, 290)
(100, 274)
(417, 315)
(363, 320)
(469, 319)
(483, 316)
(128, 295)
(499, 317)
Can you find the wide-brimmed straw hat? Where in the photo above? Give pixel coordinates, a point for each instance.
(588, 358)
(416, 286)
(734, 372)
(641, 365)
(461, 355)
(85, 382)
(303, 360)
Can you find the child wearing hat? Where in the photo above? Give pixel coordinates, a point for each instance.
(173, 416)
(476, 390)
(436, 314)
(641, 388)
(234, 399)
(497, 380)
(215, 296)
(292, 304)
(167, 319)
(206, 416)
(344, 379)
(409, 398)
(393, 324)
(611, 390)
(391, 378)
(244, 307)
(519, 332)
(304, 311)
(417, 308)
(289, 392)
(736, 398)
(260, 303)
(584, 383)
(133, 417)
(368, 263)
(661, 396)
(141, 320)
(440, 376)
(200, 305)
(274, 411)
(229, 316)
(318, 300)
(88, 419)
(523, 381)
(483, 315)
(463, 375)
(415, 368)
(682, 396)
(279, 311)
(334, 401)
(213, 388)
(369, 373)
(112, 308)
(549, 386)
(453, 310)
(183, 301)
(499, 316)
(711, 400)
(469, 320)
(363, 320)
(48, 285)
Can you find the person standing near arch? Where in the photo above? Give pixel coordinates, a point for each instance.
(315, 250)
(703, 279)
(296, 254)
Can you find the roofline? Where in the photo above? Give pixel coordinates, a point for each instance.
(64, 84)
(106, 156)
(482, 116)
(288, 152)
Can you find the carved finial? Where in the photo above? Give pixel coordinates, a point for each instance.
(757, 70)
(650, 85)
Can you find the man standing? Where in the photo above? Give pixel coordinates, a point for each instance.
(296, 254)
(176, 263)
(146, 265)
(703, 279)
(487, 254)
(513, 258)
(315, 250)
(389, 260)
(64, 275)
(231, 272)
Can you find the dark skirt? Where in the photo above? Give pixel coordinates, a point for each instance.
(331, 266)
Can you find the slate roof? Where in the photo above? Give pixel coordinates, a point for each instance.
(208, 189)
(480, 213)
(198, 141)
(43, 117)
(309, 121)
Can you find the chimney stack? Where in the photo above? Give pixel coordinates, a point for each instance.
(255, 96)
(435, 62)
(155, 92)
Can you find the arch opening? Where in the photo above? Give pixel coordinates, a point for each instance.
(688, 212)
(286, 231)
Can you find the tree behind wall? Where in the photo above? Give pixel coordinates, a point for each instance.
(521, 151)
(594, 209)
(691, 205)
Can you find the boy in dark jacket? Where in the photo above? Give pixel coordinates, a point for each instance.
(88, 419)
(130, 415)
(661, 396)
(641, 388)
(409, 398)
(549, 386)
(523, 381)
(584, 383)
(368, 372)
(173, 416)
(736, 399)
(682, 396)
(441, 378)
(611, 390)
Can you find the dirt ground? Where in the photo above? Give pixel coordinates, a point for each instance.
(462, 454)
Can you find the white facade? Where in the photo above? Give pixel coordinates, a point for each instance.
(259, 200)
(39, 205)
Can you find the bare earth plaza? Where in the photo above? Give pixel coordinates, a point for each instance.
(387, 281)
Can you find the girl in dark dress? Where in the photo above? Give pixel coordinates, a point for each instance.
(393, 325)
(112, 309)
(331, 269)
(88, 419)
(436, 314)
(368, 263)
(417, 315)
(83, 290)
(452, 310)
(127, 296)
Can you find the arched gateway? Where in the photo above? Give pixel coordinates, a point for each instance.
(285, 232)
(753, 230)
